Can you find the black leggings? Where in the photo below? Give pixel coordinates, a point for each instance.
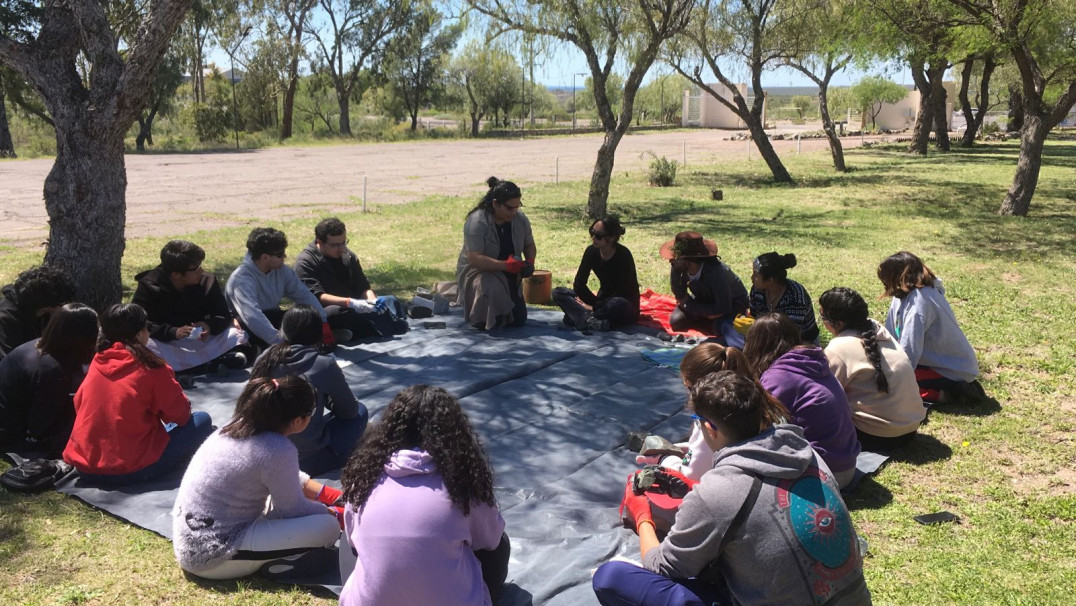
(495, 566)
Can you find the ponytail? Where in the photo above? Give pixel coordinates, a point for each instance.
(846, 305)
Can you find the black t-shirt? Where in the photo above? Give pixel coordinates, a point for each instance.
(616, 276)
(504, 230)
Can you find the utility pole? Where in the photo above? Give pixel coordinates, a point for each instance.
(235, 103)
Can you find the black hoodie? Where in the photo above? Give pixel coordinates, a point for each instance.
(168, 308)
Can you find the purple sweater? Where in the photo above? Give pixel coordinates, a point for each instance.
(802, 381)
(414, 546)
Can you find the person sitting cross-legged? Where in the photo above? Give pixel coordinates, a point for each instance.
(28, 302)
(766, 525)
(256, 287)
(189, 321)
(617, 301)
(339, 418)
(708, 294)
(333, 273)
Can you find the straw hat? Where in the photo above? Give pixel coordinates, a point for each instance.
(688, 245)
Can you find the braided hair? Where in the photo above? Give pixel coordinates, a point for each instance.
(842, 304)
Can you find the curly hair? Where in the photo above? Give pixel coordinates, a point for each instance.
(846, 305)
(43, 286)
(329, 226)
(427, 418)
(771, 336)
(265, 241)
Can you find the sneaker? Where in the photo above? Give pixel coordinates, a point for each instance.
(233, 360)
(342, 335)
(598, 324)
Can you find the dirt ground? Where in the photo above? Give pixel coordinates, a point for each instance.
(179, 193)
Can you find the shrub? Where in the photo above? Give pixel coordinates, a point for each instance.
(990, 128)
(662, 171)
(211, 123)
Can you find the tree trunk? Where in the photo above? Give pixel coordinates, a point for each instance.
(941, 113)
(1032, 138)
(968, 139)
(145, 129)
(85, 199)
(974, 120)
(475, 118)
(289, 107)
(598, 196)
(765, 148)
(7, 146)
(1015, 122)
(924, 118)
(835, 148)
(344, 102)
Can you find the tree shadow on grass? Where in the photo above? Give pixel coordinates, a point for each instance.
(982, 407)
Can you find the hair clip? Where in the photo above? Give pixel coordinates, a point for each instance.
(276, 385)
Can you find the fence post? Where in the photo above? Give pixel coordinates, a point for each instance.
(799, 144)
(557, 179)
(364, 193)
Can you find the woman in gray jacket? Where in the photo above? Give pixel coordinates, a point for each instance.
(766, 525)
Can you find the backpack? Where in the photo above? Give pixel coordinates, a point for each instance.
(35, 475)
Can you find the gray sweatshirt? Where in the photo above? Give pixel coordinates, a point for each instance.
(796, 543)
(333, 394)
(249, 291)
(927, 331)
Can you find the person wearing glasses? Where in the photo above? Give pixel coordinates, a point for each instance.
(333, 273)
(256, 287)
(617, 299)
(498, 250)
(765, 525)
(189, 321)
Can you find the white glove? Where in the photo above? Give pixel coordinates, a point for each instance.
(647, 459)
(361, 306)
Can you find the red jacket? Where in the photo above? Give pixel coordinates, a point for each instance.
(118, 413)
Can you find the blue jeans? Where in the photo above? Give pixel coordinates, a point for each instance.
(625, 584)
(618, 310)
(391, 321)
(344, 434)
(182, 442)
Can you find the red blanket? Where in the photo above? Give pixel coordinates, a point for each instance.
(654, 310)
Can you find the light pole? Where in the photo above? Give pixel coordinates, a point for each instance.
(661, 112)
(235, 104)
(573, 99)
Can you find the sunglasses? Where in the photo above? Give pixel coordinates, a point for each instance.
(598, 234)
(510, 207)
(337, 244)
(701, 421)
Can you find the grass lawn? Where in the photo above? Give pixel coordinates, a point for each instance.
(1008, 470)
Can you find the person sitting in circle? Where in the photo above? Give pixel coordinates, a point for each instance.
(189, 321)
(243, 500)
(772, 291)
(121, 407)
(498, 249)
(875, 372)
(339, 418)
(708, 294)
(799, 377)
(28, 302)
(617, 300)
(766, 525)
(38, 381)
(334, 275)
(925, 326)
(420, 514)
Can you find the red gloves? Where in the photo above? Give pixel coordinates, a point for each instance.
(329, 496)
(513, 265)
(327, 336)
(635, 507)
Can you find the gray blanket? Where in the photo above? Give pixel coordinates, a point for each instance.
(553, 408)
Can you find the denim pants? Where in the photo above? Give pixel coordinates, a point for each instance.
(182, 442)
